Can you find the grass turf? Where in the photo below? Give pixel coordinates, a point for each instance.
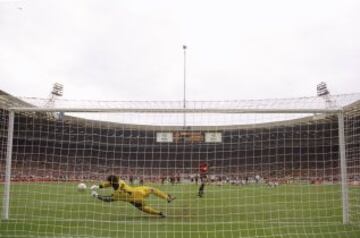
(59, 210)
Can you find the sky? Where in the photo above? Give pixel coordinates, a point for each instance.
(133, 50)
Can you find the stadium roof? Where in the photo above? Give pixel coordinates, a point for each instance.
(200, 113)
(303, 103)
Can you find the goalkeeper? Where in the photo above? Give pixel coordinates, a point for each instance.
(134, 195)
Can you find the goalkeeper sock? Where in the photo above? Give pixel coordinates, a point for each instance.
(150, 210)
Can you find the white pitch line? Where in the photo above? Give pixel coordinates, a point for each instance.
(162, 221)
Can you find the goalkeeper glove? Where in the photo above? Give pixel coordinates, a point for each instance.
(94, 187)
(94, 194)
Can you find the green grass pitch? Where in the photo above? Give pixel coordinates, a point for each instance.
(59, 210)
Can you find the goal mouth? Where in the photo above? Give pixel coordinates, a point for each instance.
(244, 168)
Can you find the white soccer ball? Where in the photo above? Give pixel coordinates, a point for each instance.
(81, 187)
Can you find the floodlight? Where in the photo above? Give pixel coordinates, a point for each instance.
(322, 89)
(58, 89)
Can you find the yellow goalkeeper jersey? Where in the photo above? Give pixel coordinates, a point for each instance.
(127, 193)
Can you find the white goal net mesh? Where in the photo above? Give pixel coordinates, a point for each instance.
(272, 168)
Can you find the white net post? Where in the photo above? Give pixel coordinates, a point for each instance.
(343, 169)
(6, 196)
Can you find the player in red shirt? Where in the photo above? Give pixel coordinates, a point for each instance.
(203, 170)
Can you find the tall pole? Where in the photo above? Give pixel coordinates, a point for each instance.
(184, 99)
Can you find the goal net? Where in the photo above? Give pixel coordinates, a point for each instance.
(252, 168)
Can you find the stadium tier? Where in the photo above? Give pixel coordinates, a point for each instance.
(274, 168)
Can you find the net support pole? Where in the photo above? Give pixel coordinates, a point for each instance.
(184, 99)
(343, 170)
(6, 198)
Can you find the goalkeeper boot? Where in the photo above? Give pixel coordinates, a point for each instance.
(162, 215)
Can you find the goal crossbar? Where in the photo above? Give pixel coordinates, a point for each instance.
(178, 110)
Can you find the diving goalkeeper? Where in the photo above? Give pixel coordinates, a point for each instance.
(134, 195)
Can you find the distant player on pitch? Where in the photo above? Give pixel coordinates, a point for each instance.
(203, 170)
(134, 195)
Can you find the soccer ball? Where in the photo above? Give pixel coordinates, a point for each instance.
(81, 187)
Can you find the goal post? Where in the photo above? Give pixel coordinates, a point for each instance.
(7, 182)
(343, 169)
(273, 171)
